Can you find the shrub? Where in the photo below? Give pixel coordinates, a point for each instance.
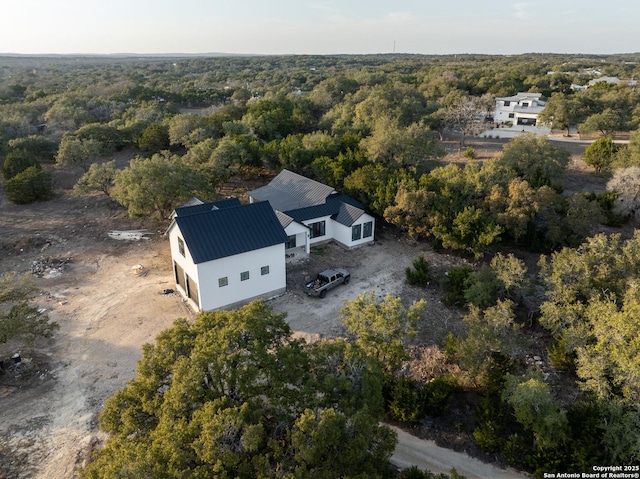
(454, 284)
(33, 184)
(437, 394)
(607, 201)
(405, 404)
(16, 162)
(560, 357)
(469, 153)
(418, 275)
(482, 288)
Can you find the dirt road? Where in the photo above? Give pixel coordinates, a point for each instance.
(413, 451)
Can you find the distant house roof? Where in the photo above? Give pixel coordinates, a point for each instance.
(289, 191)
(219, 233)
(520, 96)
(193, 207)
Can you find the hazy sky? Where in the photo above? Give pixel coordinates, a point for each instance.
(319, 27)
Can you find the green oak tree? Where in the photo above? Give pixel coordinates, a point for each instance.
(156, 185)
(600, 154)
(536, 160)
(234, 395)
(380, 328)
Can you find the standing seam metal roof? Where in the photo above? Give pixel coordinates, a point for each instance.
(204, 207)
(229, 231)
(289, 191)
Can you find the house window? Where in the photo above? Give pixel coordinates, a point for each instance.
(223, 282)
(181, 246)
(367, 229)
(264, 270)
(356, 232)
(318, 229)
(525, 104)
(507, 103)
(512, 115)
(244, 276)
(291, 242)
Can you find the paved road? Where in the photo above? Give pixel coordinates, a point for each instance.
(412, 451)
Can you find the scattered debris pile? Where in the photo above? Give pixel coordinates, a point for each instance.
(130, 235)
(51, 267)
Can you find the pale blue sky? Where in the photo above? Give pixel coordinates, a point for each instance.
(319, 27)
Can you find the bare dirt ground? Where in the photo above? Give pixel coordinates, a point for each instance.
(49, 402)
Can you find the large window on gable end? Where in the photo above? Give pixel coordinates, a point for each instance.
(181, 246)
(318, 229)
(356, 232)
(367, 229)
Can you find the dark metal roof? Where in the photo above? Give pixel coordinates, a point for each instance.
(343, 212)
(229, 231)
(204, 207)
(348, 214)
(311, 212)
(289, 191)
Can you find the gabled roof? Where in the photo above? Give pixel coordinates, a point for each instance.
(347, 214)
(289, 191)
(224, 232)
(340, 208)
(285, 220)
(195, 208)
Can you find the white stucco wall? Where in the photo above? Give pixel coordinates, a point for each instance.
(342, 233)
(329, 229)
(301, 233)
(213, 296)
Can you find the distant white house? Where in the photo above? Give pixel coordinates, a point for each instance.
(613, 81)
(521, 109)
(312, 212)
(225, 254)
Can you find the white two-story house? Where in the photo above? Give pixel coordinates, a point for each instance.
(226, 254)
(521, 109)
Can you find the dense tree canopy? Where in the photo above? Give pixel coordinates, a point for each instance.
(234, 395)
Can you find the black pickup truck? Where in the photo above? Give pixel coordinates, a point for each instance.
(327, 280)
